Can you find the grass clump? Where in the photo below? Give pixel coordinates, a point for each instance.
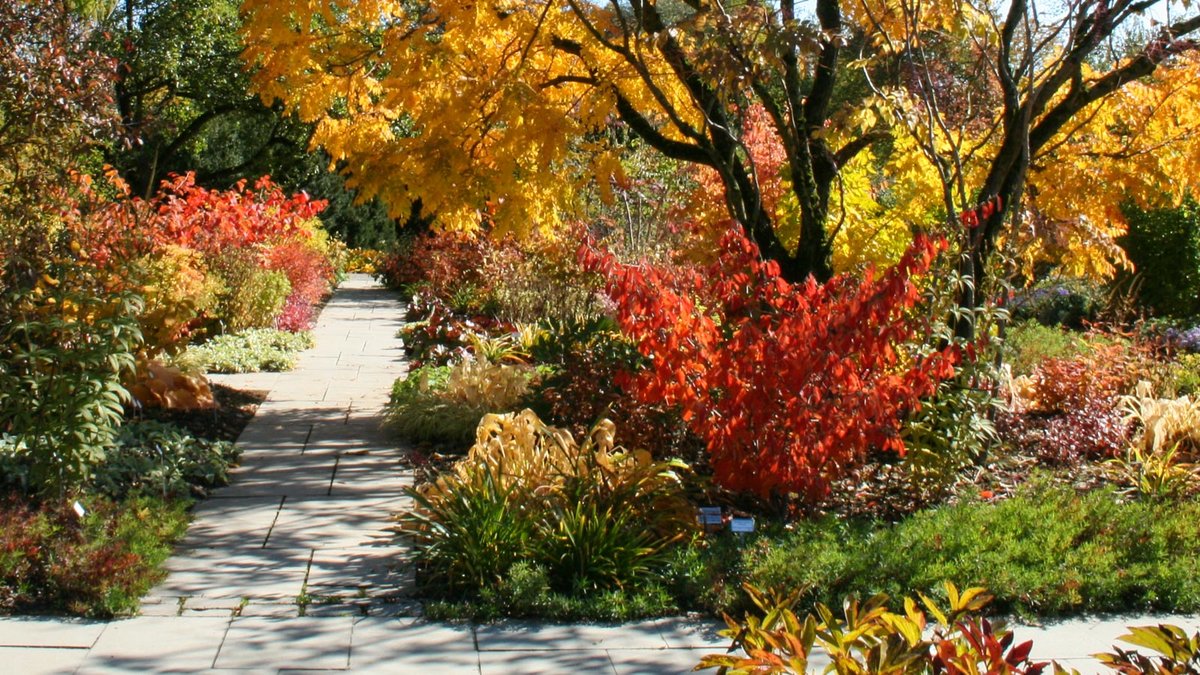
(250, 351)
(443, 404)
(532, 523)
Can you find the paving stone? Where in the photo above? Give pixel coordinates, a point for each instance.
(369, 474)
(232, 521)
(655, 661)
(163, 610)
(682, 633)
(1084, 637)
(244, 509)
(36, 631)
(360, 570)
(298, 477)
(157, 644)
(545, 663)
(335, 523)
(41, 660)
(395, 608)
(280, 610)
(235, 574)
(202, 603)
(522, 635)
(334, 608)
(384, 645)
(265, 643)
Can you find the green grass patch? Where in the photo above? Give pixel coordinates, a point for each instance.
(1046, 552)
(1029, 343)
(525, 591)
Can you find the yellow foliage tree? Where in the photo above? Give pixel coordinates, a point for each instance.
(491, 111)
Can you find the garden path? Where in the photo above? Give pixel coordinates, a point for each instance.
(294, 567)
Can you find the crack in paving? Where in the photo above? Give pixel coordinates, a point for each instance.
(271, 528)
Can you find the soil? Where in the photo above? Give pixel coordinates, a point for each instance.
(233, 411)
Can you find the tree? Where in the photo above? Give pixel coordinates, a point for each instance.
(54, 109)
(54, 102)
(474, 107)
(181, 94)
(1067, 111)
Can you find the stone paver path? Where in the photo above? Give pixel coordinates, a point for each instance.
(303, 528)
(294, 568)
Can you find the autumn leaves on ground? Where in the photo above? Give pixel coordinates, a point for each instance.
(909, 289)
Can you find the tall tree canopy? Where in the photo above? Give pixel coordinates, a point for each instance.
(477, 108)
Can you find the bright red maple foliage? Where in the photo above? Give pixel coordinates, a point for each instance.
(210, 220)
(183, 214)
(788, 384)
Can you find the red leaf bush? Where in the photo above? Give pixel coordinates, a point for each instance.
(190, 240)
(1075, 413)
(788, 384)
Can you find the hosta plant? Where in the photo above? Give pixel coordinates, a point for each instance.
(1163, 423)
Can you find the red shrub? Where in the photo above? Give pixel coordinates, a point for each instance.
(306, 268)
(1077, 415)
(297, 315)
(443, 262)
(212, 220)
(185, 215)
(787, 383)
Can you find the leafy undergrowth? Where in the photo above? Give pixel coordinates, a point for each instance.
(526, 592)
(255, 350)
(135, 503)
(99, 565)
(1047, 551)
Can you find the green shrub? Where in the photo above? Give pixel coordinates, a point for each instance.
(950, 431)
(1029, 343)
(1183, 376)
(1059, 301)
(98, 565)
(1047, 551)
(258, 302)
(251, 297)
(1164, 246)
(250, 351)
(158, 458)
(65, 347)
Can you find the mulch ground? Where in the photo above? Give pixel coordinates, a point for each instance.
(234, 410)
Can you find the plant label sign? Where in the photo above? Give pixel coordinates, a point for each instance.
(711, 519)
(741, 525)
